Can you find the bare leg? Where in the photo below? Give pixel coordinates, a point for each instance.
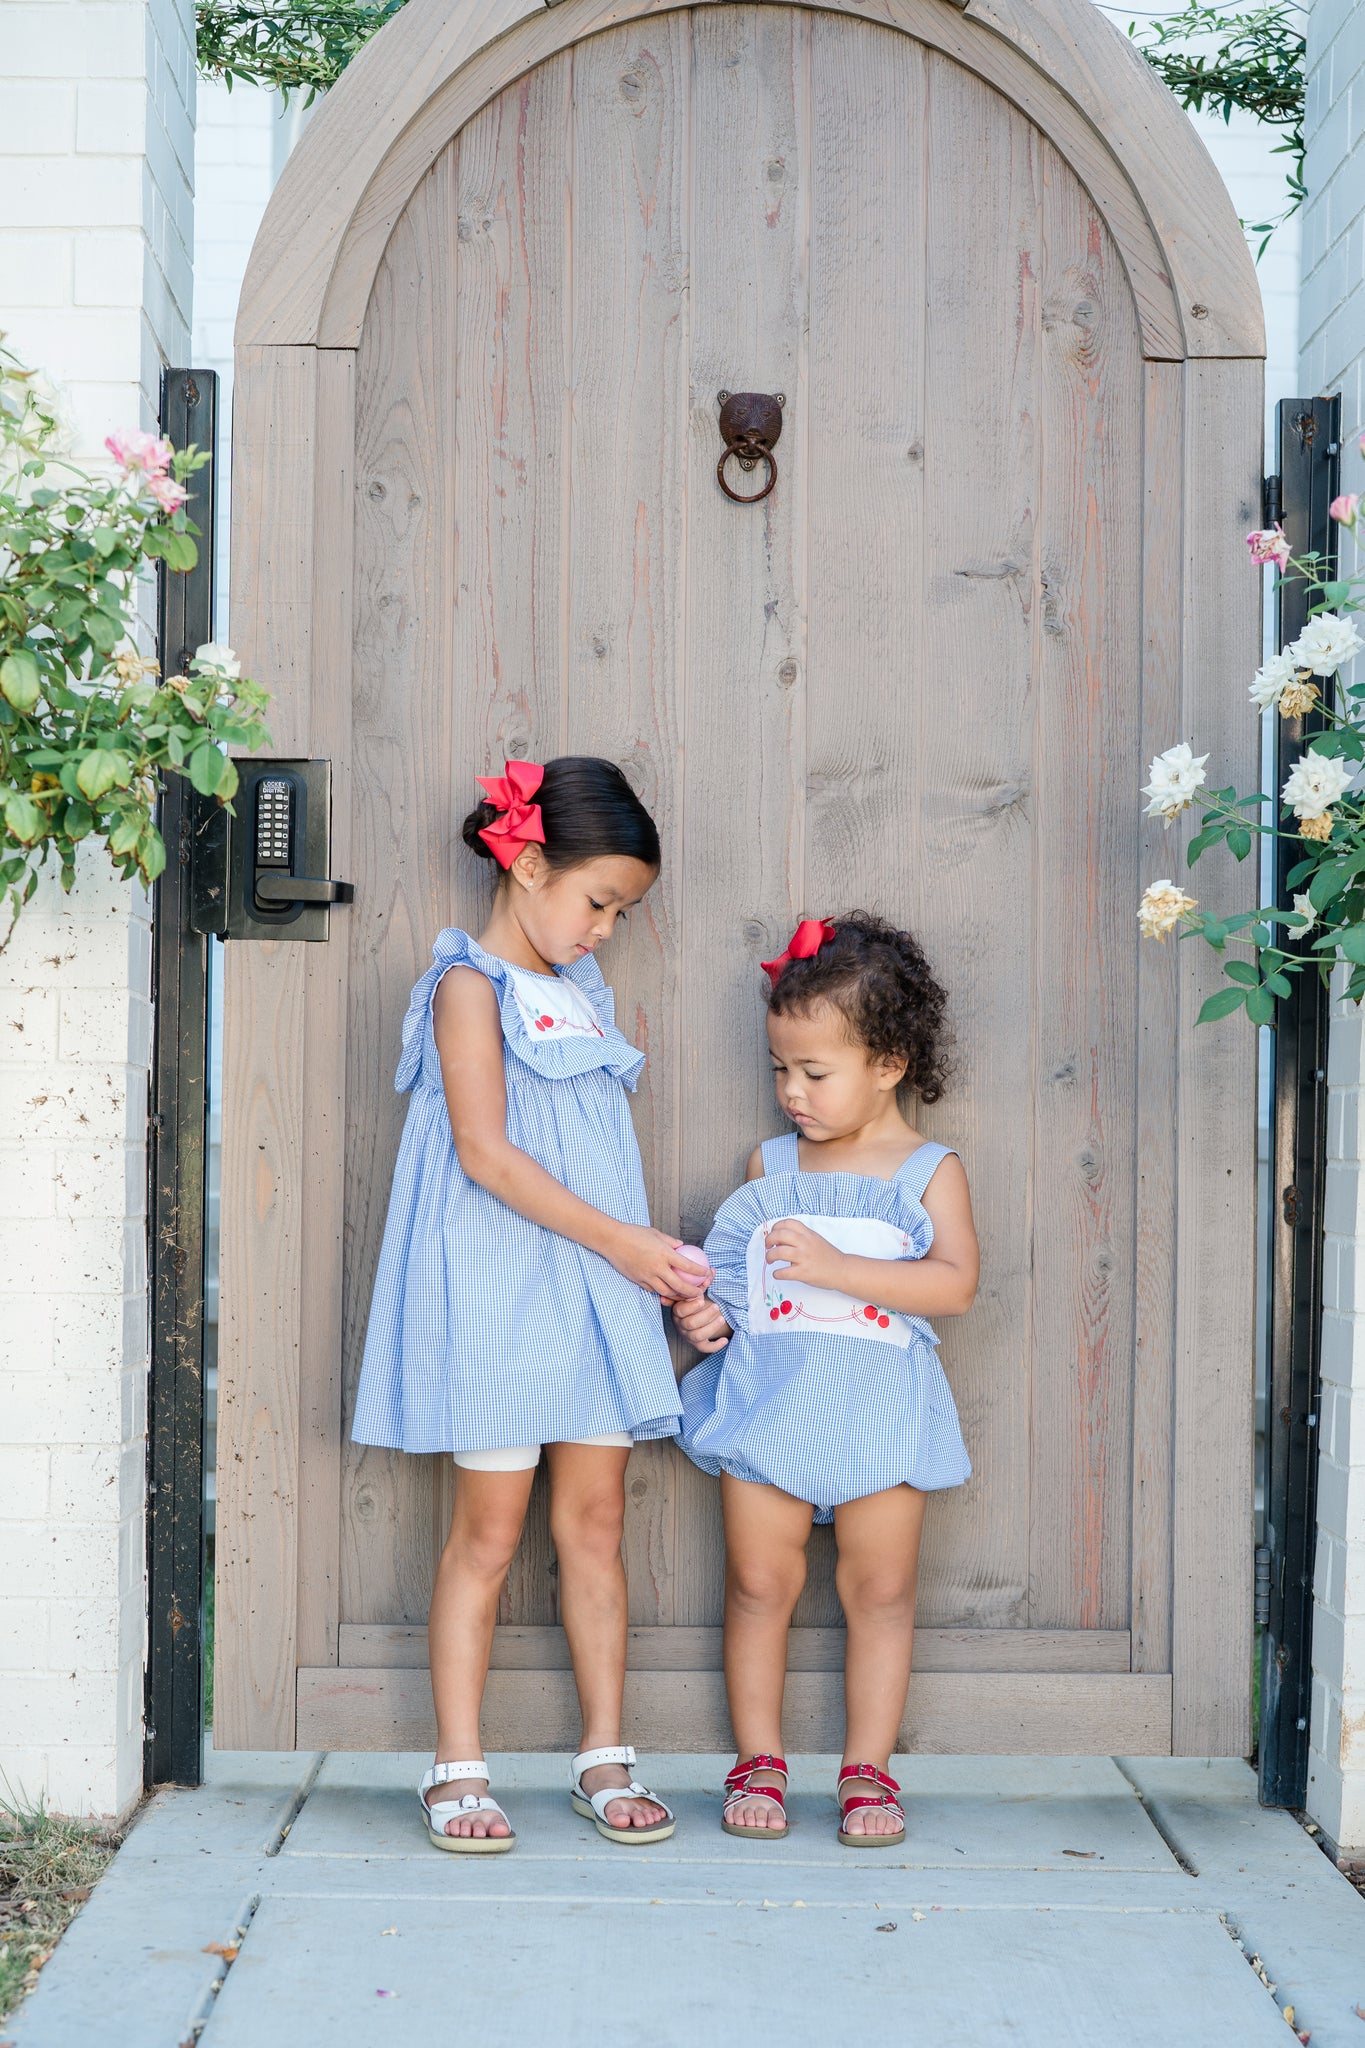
(587, 1518)
(878, 1540)
(485, 1528)
(766, 1532)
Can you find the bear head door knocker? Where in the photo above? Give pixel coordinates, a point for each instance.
(750, 422)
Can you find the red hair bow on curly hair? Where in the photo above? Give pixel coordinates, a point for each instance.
(521, 821)
(805, 942)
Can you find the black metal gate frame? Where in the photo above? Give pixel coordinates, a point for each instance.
(176, 1155)
(1309, 431)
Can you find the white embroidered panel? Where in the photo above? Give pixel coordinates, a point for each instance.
(553, 1009)
(779, 1307)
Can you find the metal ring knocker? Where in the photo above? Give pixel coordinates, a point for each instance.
(750, 422)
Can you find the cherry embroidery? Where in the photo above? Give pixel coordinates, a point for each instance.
(773, 1313)
(883, 1322)
(870, 1312)
(544, 1023)
(785, 1307)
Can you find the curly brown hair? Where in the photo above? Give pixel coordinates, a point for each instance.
(881, 982)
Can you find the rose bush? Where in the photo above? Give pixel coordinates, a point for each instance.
(88, 726)
(1321, 805)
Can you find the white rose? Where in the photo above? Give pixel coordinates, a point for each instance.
(1304, 906)
(1176, 775)
(217, 655)
(1315, 783)
(1273, 676)
(1325, 643)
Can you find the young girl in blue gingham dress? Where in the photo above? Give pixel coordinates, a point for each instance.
(822, 1397)
(517, 1301)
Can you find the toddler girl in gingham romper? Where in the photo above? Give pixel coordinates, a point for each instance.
(517, 1301)
(821, 1397)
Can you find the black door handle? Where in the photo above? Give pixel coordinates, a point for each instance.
(273, 886)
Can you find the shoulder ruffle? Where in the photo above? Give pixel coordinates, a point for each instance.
(557, 1057)
(775, 1195)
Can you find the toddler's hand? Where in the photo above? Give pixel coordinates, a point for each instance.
(652, 1260)
(804, 1255)
(702, 1323)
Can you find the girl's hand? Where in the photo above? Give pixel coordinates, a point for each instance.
(804, 1255)
(702, 1323)
(649, 1258)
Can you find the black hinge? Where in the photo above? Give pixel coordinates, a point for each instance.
(1272, 507)
(1262, 1584)
(1291, 1205)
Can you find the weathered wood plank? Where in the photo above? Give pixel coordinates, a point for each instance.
(963, 697)
(950, 1713)
(808, 1649)
(865, 521)
(407, 861)
(509, 486)
(326, 968)
(1216, 1169)
(1158, 1044)
(1087, 677)
(624, 596)
(264, 1137)
(744, 800)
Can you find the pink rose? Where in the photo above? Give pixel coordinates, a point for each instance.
(1269, 545)
(1344, 508)
(169, 495)
(138, 451)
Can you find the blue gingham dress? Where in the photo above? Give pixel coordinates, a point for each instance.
(828, 1397)
(487, 1330)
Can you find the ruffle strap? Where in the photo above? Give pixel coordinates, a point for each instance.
(556, 1055)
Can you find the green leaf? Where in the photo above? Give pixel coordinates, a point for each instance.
(206, 766)
(175, 749)
(1260, 1005)
(125, 835)
(227, 787)
(1222, 1004)
(104, 540)
(77, 819)
(1242, 970)
(1352, 943)
(1239, 842)
(21, 679)
(1326, 884)
(102, 631)
(99, 770)
(1278, 984)
(1335, 593)
(24, 820)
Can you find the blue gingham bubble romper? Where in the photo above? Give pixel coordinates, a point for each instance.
(828, 1397)
(487, 1330)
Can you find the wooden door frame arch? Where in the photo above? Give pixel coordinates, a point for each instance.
(1059, 61)
(1198, 313)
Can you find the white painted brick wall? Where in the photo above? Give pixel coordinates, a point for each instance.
(96, 231)
(1333, 331)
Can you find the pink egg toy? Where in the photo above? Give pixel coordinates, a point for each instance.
(695, 1256)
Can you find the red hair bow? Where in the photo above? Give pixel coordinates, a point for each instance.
(805, 942)
(521, 821)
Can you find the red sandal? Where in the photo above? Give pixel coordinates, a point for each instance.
(738, 1789)
(886, 1799)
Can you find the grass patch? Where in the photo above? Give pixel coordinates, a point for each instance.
(48, 1869)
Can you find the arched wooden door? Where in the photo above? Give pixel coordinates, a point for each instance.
(988, 266)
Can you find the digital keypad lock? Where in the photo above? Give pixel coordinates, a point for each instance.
(270, 867)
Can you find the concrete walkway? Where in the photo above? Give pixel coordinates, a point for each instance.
(1039, 1903)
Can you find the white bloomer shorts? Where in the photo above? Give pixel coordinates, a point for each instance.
(524, 1457)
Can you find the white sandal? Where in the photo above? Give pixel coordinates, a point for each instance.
(593, 1805)
(460, 1809)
